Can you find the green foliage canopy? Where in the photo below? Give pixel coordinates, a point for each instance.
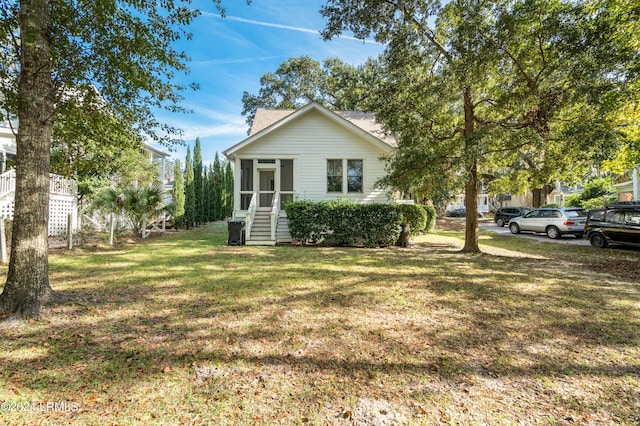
(474, 86)
(298, 81)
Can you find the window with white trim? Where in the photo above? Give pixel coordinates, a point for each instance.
(354, 175)
(334, 175)
(338, 181)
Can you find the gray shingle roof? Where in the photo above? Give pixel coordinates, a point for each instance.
(364, 120)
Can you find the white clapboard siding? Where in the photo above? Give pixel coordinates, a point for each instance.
(311, 140)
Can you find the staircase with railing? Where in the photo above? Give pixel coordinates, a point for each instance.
(266, 227)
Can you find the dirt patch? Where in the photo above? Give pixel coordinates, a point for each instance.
(450, 224)
(376, 412)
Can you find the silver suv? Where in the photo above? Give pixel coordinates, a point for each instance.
(555, 222)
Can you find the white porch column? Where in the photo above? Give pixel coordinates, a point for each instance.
(237, 171)
(163, 171)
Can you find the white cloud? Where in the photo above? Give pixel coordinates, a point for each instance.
(235, 61)
(284, 27)
(192, 131)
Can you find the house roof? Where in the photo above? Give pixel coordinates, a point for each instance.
(267, 120)
(155, 152)
(624, 186)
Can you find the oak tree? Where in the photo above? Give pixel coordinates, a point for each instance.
(471, 81)
(53, 51)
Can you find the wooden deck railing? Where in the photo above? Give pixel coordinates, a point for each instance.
(57, 184)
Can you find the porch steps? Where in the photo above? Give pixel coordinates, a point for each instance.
(282, 233)
(261, 230)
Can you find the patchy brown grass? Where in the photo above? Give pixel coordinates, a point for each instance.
(184, 330)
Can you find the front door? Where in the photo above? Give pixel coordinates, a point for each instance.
(266, 189)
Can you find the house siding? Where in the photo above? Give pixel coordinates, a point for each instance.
(310, 141)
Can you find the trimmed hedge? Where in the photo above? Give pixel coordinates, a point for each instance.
(431, 218)
(344, 223)
(414, 215)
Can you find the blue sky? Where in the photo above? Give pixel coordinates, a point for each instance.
(230, 55)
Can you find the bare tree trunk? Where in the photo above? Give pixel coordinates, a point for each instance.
(471, 185)
(27, 287)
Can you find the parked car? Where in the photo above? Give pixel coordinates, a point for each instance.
(460, 212)
(615, 224)
(555, 222)
(505, 214)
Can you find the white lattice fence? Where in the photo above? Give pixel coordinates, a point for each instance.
(62, 202)
(59, 210)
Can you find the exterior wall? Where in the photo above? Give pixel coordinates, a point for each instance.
(63, 200)
(515, 201)
(310, 141)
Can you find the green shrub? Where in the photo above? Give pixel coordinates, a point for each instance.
(344, 223)
(599, 202)
(414, 215)
(431, 218)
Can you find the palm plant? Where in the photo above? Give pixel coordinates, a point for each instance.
(134, 205)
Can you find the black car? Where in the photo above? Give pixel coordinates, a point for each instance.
(459, 212)
(505, 214)
(615, 224)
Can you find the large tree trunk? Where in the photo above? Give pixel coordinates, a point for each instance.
(27, 287)
(471, 185)
(471, 200)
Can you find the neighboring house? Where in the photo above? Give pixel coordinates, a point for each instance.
(630, 190)
(561, 192)
(63, 193)
(511, 200)
(311, 153)
(7, 147)
(484, 203)
(159, 158)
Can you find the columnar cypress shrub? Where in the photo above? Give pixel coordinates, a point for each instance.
(190, 193)
(217, 188)
(199, 215)
(178, 195)
(211, 199)
(228, 190)
(206, 195)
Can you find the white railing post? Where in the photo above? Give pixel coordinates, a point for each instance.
(251, 213)
(3, 242)
(69, 231)
(275, 208)
(7, 182)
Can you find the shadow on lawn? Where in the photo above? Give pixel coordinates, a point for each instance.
(353, 313)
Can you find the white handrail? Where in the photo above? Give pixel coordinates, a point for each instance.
(251, 213)
(275, 209)
(57, 184)
(7, 182)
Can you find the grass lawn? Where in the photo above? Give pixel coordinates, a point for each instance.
(184, 330)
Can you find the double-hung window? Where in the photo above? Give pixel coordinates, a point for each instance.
(354, 175)
(334, 175)
(337, 180)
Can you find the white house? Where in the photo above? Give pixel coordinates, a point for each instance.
(630, 190)
(311, 153)
(63, 193)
